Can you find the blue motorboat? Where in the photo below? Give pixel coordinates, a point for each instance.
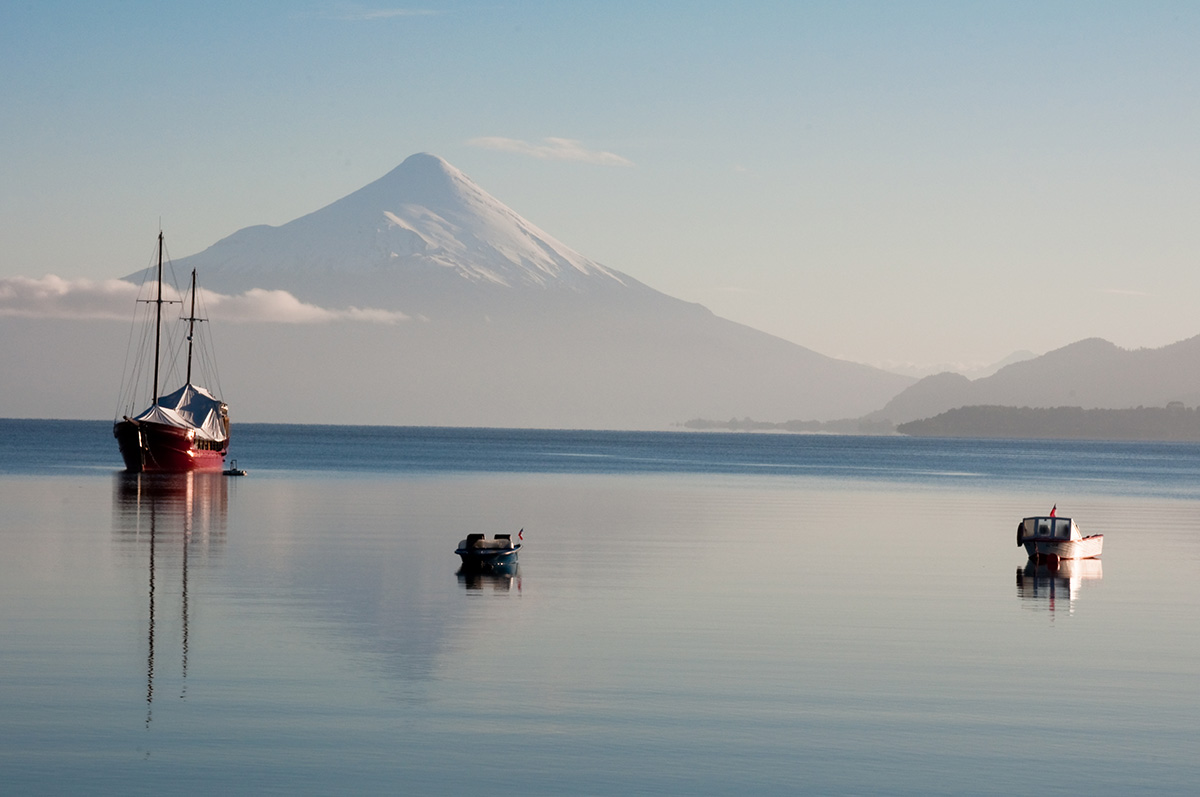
(475, 550)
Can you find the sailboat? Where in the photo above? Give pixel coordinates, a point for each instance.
(184, 430)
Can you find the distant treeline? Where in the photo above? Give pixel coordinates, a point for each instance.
(1173, 422)
(847, 426)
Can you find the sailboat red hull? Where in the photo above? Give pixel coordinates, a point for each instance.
(151, 447)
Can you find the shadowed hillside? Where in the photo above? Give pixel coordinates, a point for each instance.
(1174, 422)
(1091, 374)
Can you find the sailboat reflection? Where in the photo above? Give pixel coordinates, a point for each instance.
(1040, 580)
(500, 576)
(172, 517)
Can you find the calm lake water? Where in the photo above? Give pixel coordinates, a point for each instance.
(691, 614)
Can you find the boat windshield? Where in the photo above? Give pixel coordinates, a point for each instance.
(1057, 527)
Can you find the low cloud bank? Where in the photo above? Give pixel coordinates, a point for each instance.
(281, 307)
(559, 149)
(84, 299)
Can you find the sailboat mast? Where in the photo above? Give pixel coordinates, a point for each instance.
(191, 327)
(158, 315)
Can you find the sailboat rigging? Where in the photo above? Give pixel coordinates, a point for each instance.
(185, 430)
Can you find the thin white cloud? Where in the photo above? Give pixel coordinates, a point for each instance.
(258, 305)
(359, 13)
(55, 297)
(372, 315)
(561, 149)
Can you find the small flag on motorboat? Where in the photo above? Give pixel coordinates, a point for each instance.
(521, 534)
(1054, 511)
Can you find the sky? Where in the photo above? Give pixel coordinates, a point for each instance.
(917, 186)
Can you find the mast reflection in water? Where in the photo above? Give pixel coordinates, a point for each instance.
(168, 518)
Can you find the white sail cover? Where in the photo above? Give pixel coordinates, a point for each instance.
(189, 407)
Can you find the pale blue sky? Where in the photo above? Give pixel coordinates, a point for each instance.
(885, 182)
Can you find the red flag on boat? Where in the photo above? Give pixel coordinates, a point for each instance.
(1054, 511)
(521, 534)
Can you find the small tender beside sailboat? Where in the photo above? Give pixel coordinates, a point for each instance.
(184, 430)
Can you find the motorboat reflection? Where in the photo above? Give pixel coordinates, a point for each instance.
(170, 519)
(499, 576)
(1054, 581)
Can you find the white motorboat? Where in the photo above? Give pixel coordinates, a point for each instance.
(1048, 535)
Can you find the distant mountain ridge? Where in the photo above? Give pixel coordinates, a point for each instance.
(1091, 374)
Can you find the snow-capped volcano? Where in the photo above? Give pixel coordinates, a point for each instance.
(503, 325)
(423, 226)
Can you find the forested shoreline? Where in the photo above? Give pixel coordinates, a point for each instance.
(1173, 422)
